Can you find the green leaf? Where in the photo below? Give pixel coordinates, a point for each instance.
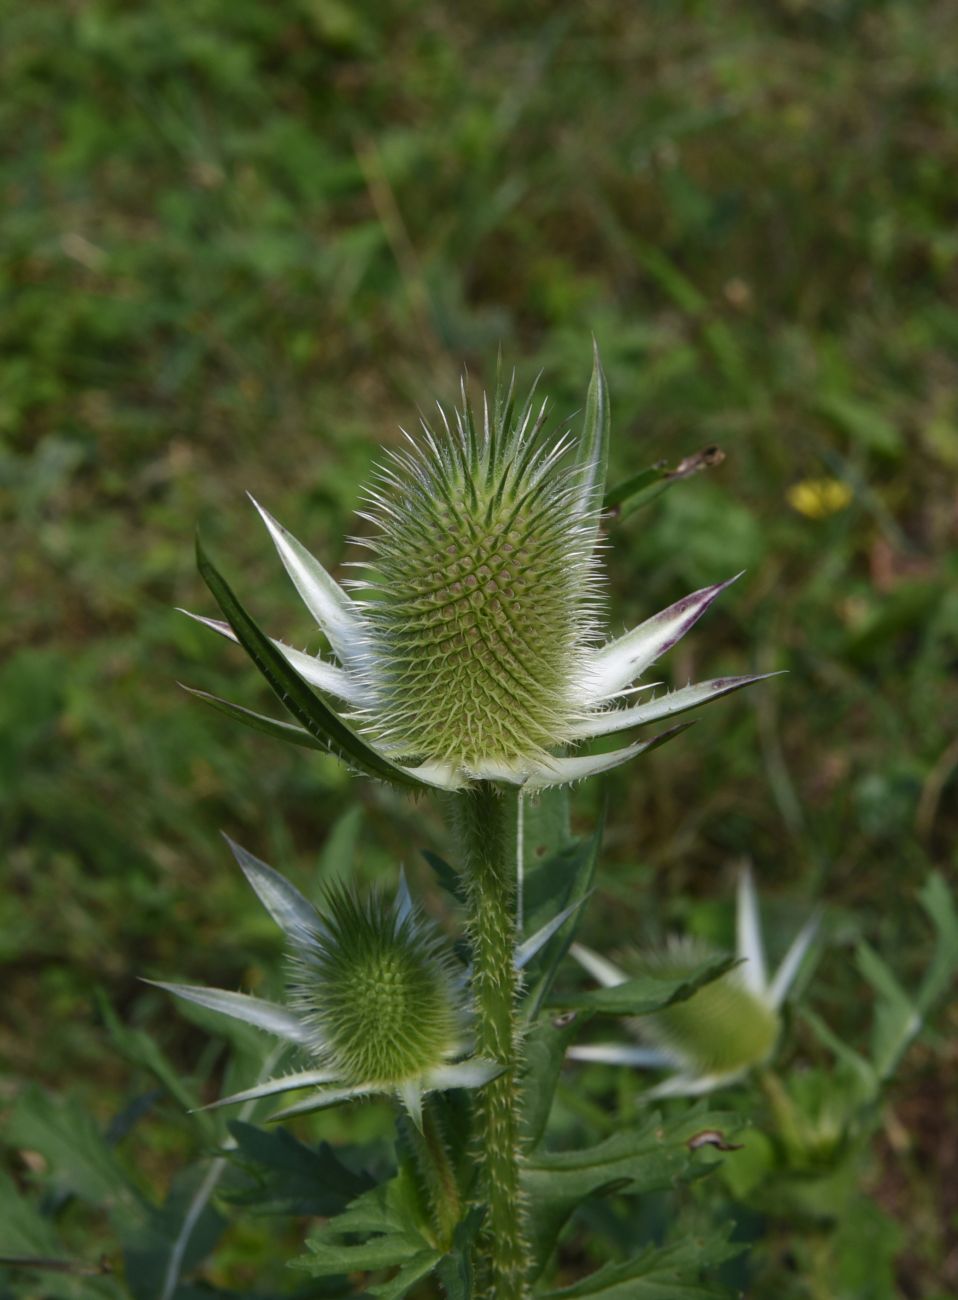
(282, 1175)
(387, 1218)
(312, 713)
(647, 993)
(616, 497)
(937, 900)
(339, 851)
(174, 1239)
(78, 1154)
(411, 1272)
(896, 1020)
(650, 1155)
(450, 880)
(545, 1050)
(137, 1047)
(456, 1272)
(23, 1229)
(664, 1273)
(557, 883)
(864, 423)
(861, 1071)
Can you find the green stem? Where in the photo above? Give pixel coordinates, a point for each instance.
(438, 1175)
(485, 824)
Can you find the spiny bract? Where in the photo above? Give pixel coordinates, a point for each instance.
(473, 647)
(377, 1000)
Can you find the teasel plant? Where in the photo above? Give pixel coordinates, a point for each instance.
(469, 657)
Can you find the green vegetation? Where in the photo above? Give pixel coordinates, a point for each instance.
(241, 242)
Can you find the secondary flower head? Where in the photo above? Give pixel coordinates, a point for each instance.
(472, 648)
(377, 1002)
(726, 1028)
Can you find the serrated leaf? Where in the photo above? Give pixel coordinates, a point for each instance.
(285, 1176)
(387, 1217)
(664, 1273)
(646, 993)
(636, 1160)
(416, 1268)
(311, 712)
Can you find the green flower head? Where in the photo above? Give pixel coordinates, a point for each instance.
(377, 1001)
(726, 1028)
(377, 989)
(473, 645)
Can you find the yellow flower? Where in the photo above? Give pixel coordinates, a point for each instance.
(817, 498)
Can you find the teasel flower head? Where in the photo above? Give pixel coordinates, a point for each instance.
(727, 1027)
(377, 1001)
(473, 645)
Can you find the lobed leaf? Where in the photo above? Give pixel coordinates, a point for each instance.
(285, 1176)
(658, 1273)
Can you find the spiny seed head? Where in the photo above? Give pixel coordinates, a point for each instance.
(722, 1029)
(481, 593)
(378, 989)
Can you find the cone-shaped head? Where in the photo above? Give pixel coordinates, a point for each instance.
(481, 593)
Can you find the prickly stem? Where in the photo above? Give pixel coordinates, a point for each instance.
(485, 823)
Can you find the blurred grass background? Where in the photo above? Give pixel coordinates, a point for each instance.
(242, 243)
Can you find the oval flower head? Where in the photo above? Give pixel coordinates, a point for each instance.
(473, 647)
(726, 1028)
(376, 1000)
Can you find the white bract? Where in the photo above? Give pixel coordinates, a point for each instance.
(722, 1031)
(473, 647)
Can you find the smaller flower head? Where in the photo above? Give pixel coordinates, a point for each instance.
(726, 1028)
(377, 1002)
(377, 989)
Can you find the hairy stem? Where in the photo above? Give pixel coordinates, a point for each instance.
(437, 1174)
(485, 822)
